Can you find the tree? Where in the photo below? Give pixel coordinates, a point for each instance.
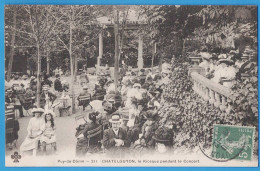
(13, 34)
(75, 25)
(41, 26)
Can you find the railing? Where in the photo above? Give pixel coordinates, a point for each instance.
(212, 92)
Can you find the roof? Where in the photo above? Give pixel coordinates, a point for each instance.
(132, 18)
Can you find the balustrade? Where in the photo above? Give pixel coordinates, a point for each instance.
(212, 92)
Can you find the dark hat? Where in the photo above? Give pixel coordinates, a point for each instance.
(150, 115)
(109, 82)
(133, 73)
(142, 70)
(92, 116)
(163, 134)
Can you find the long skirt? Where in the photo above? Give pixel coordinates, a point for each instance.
(30, 143)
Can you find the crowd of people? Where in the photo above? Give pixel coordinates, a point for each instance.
(224, 68)
(119, 120)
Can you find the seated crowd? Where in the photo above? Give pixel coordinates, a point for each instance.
(117, 120)
(124, 120)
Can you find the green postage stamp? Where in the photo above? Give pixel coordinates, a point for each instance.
(232, 142)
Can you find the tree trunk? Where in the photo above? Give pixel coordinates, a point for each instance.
(116, 65)
(48, 62)
(183, 48)
(153, 54)
(72, 71)
(38, 75)
(140, 62)
(10, 63)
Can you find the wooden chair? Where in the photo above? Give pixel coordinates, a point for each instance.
(84, 100)
(79, 117)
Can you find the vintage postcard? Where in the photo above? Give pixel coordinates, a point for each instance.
(131, 85)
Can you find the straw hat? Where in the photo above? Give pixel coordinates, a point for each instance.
(85, 87)
(115, 118)
(224, 58)
(37, 110)
(45, 87)
(137, 85)
(9, 91)
(49, 112)
(25, 77)
(205, 55)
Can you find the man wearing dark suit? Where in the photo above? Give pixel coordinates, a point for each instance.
(115, 139)
(46, 95)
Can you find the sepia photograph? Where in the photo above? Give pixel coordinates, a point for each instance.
(131, 85)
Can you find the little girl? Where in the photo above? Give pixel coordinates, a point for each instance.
(49, 136)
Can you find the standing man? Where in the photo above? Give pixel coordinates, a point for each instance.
(46, 98)
(115, 139)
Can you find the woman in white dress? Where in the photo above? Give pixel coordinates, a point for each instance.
(35, 129)
(49, 135)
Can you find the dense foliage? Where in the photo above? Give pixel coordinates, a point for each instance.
(192, 118)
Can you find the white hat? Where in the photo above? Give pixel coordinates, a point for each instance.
(205, 55)
(137, 85)
(166, 71)
(45, 87)
(115, 118)
(85, 87)
(49, 112)
(37, 110)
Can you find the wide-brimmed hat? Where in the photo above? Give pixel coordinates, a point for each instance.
(37, 110)
(24, 76)
(115, 118)
(32, 77)
(230, 61)
(233, 52)
(85, 87)
(109, 82)
(163, 134)
(224, 59)
(49, 112)
(137, 85)
(205, 55)
(103, 74)
(45, 87)
(9, 90)
(142, 70)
